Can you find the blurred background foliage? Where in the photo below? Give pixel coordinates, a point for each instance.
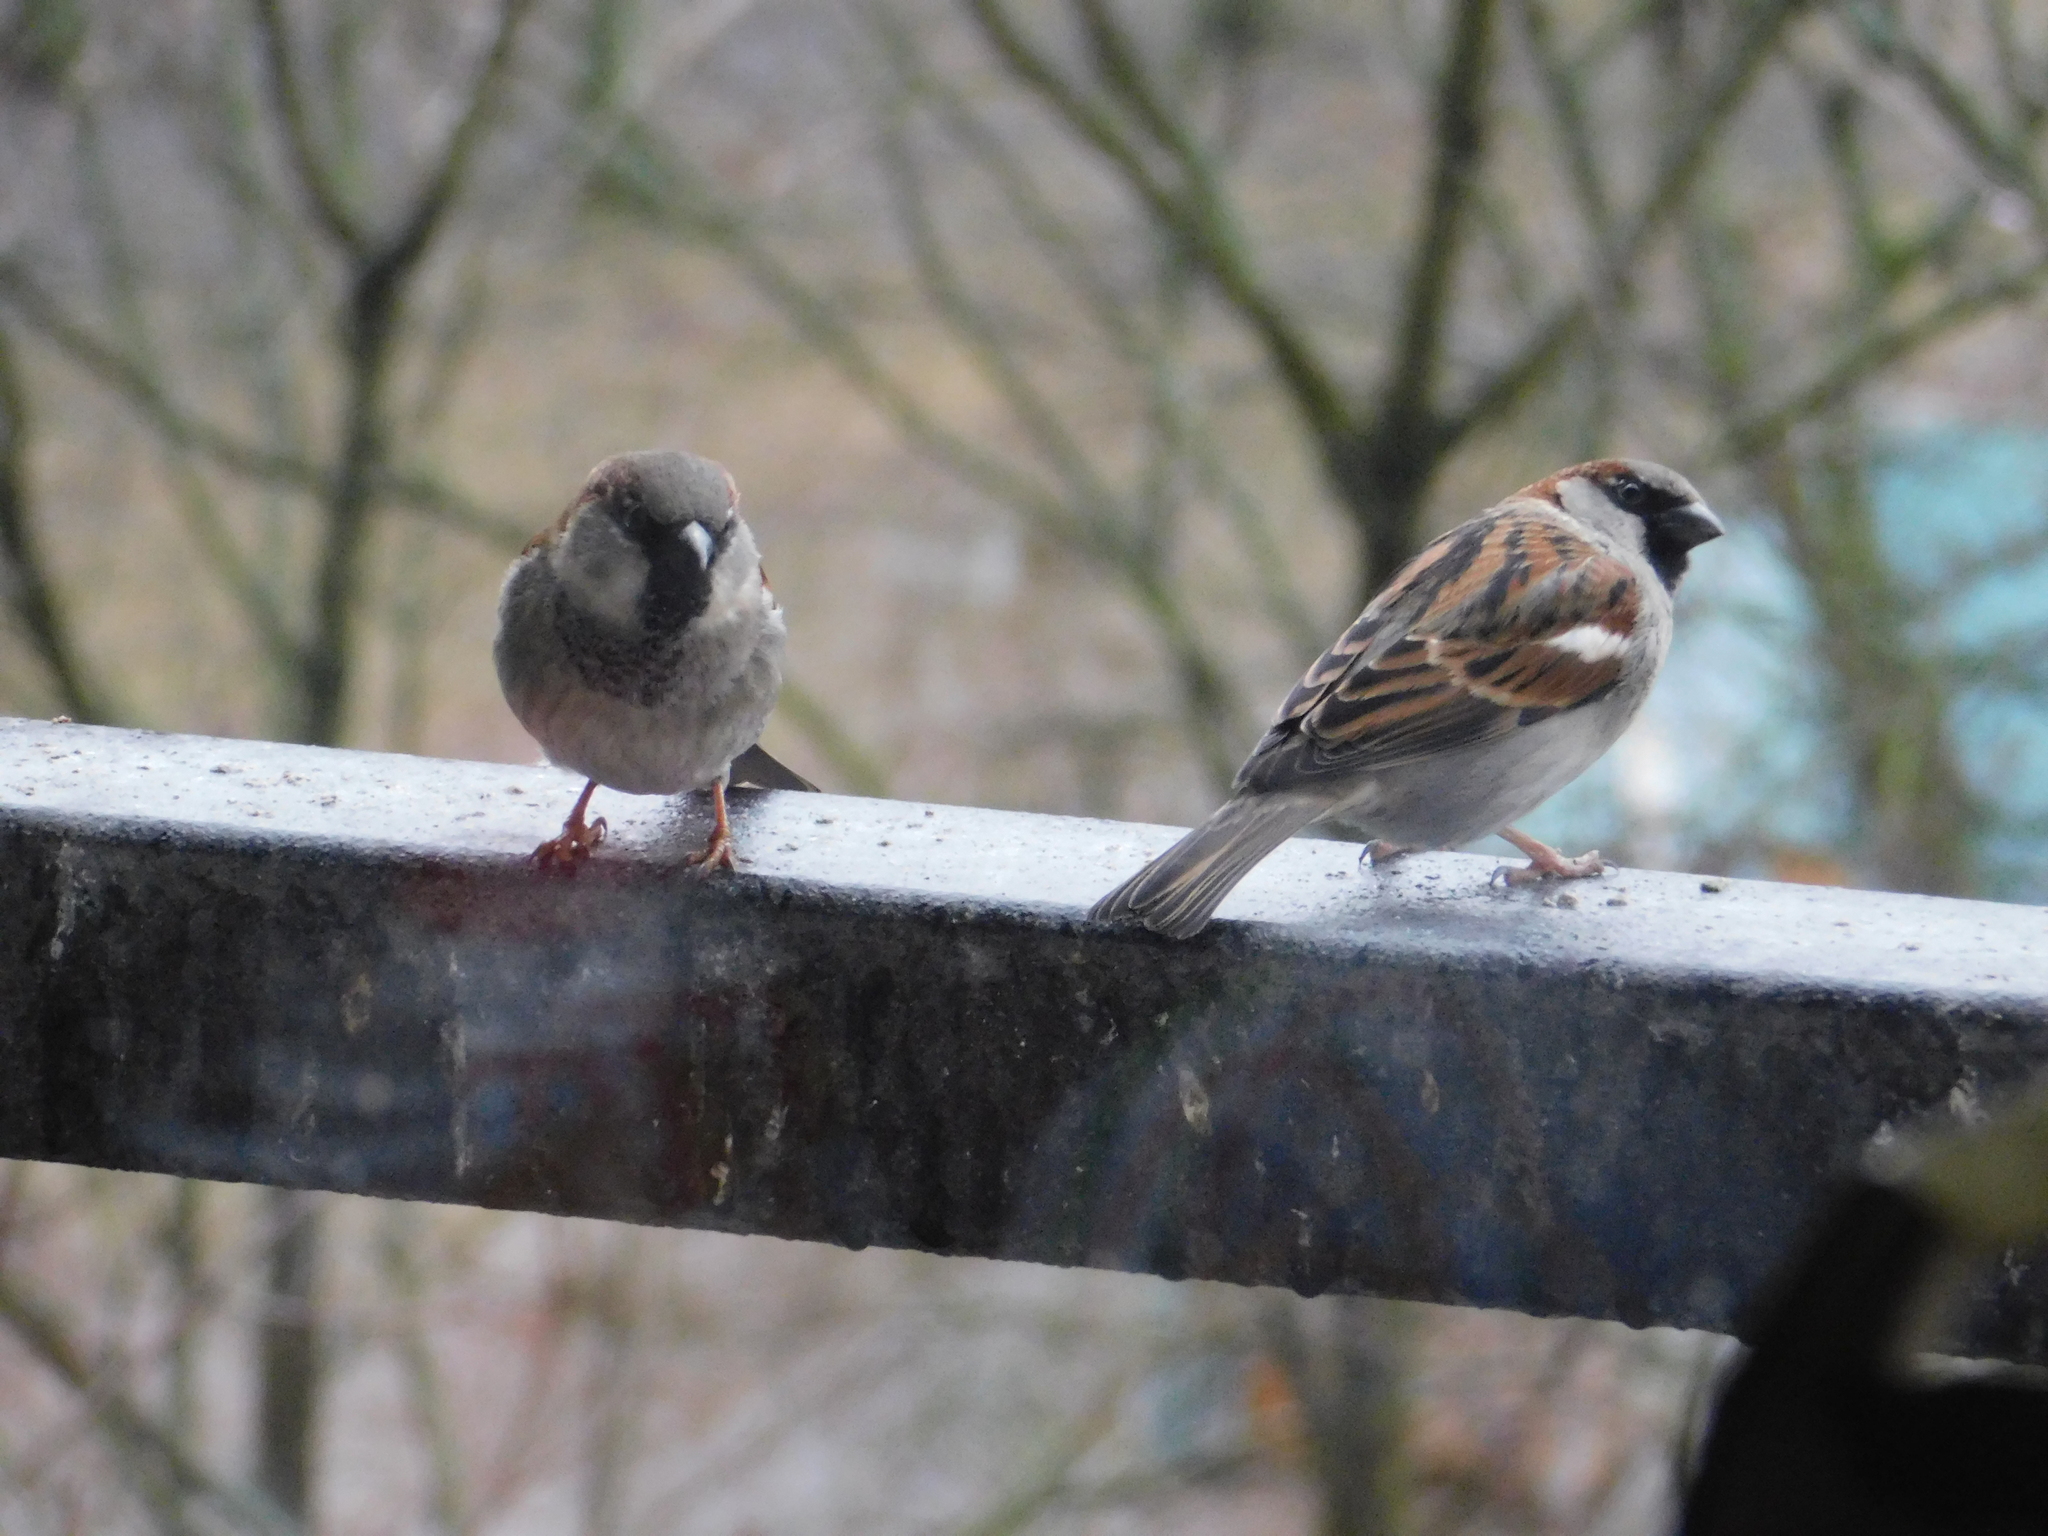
(1084, 362)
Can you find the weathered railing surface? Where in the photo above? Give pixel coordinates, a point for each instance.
(335, 969)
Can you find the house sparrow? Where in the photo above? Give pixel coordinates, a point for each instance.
(1491, 672)
(639, 644)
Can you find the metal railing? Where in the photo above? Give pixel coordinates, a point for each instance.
(338, 970)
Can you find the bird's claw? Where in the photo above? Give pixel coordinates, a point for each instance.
(716, 854)
(1380, 854)
(566, 853)
(1550, 865)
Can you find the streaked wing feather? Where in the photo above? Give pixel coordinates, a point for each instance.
(1461, 647)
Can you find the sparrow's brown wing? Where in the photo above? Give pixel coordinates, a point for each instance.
(1500, 623)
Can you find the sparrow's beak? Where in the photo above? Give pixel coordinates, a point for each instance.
(1689, 526)
(698, 537)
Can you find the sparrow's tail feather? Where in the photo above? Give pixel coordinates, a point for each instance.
(1176, 892)
(757, 768)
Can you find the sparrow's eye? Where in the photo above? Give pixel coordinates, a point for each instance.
(1630, 493)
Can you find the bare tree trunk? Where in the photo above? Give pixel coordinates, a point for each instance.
(289, 1353)
(1382, 482)
(382, 270)
(1382, 468)
(1343, 1358)
(331, 650)
(614, 1397)
(181, 1243)
(398, 1243)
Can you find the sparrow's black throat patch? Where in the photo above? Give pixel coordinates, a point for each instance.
(1669, 552)
(678, 584)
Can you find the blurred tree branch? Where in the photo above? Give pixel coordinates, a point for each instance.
(1047, 1475)
(378, 272)
(1080, 510)
(1196, 214)
(1918, 818)
(399, 1238)
(311, 652)
(24, 576)
(1382, 441)
(368, 267)
(1180, 435)
(142, 387)
(162, 1474)
(1089, 514)
(1384, 444)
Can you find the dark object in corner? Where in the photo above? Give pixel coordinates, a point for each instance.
(1820, 1431)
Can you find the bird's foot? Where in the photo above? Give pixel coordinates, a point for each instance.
(717, 853)
(1379, 854)
(1546, 863)
(565, 853)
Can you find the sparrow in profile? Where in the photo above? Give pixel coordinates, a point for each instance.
(1493, 670)
(639, 644)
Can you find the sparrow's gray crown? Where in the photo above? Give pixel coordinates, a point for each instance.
(664, 486)
(667, 516)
